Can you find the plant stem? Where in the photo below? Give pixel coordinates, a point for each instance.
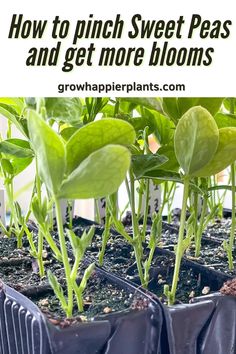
(148, 265)
(145, 216)
(65, 258)
(233, 224)
(3, 229)
(200, 227)
(105, 234)
(140, 199)
(40, 253)
(9, 192)
(97, 212)
(30, 239)
(51, 243)
(170, 198)
(138, 251)
(70, 214)
(75, 267)
(195, 206)
(179, 251)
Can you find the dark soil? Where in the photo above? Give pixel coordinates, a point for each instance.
(120, 259)
(101, 296)
(20, 271)
(220, 229)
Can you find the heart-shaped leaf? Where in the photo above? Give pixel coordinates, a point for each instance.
(196, 139)
(50, 151)
(144, 163)
(100, 174)
(96, 135)
(225, 154)
(16, 147)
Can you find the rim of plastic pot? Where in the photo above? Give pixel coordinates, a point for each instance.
(22, 325)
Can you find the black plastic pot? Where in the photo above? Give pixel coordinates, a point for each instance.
(25, 330)
(22, 326)
(205, 326)
(208, 324)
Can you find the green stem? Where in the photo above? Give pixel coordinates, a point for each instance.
(51, 243)
(65, 258)
(9, 192)
(195, 206)
(117, 106)
(4, 230)
(145, 216)
(233, 224)
(97, 212)
(170, 198)
(201, 227)
(75, 268)
(148, 266)
(70, 214)
(132, 205)
(138, 251)
(105, 235)
(30, 239)
(40, 254)
(179, 251)
(140, 199)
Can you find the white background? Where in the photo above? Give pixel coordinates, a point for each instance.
(18, 80)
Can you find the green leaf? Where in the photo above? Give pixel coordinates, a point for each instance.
(228, 103)
(148, 102)
(67, 133)
(96, 135)
(159, 176)
(172, 163)
(19, 122)
(87, 237)
(164, 129)
(16, 147)
(50, 152)
(140, 123)
(99, 175)
(19, 213)
(87, 274)
(37, 211)
(196, 139)
(20, 164)
(212, 104)
(15, 102)
(171, 108)
(7, 166)
(225, 154)
(176, 107)
(66, 109)
(224, 120)
(144, 163)
(163, 175)
(74, 241)
(57, 288)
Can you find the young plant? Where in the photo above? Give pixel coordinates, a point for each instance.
(91, 164)
(15, 156)
(40, 209)
(202, 150)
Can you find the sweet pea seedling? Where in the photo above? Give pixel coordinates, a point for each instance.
(92, 164)
(202, 150)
